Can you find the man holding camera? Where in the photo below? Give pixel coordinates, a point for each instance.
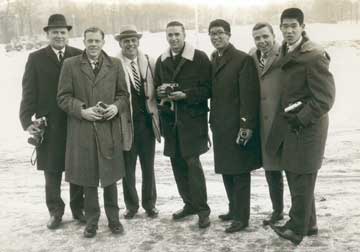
(182, 76)
(92, 91)
(139, 70)
(234, 122)
(300, 127)
(40, 83)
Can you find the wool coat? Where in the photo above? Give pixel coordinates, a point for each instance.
(234, 105)
(94, 150)
(306, 78)
(188, 123)
(39, 88)
(270, 90)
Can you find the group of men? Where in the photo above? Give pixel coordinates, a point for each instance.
(267, 108)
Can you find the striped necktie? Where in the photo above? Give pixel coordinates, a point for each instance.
(60, 56)
(137, 83)
(262, 63)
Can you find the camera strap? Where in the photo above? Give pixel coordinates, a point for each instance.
(32, 159)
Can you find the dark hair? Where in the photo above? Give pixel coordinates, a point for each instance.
(295, 13)
(222, 23)
(94, 30)
(175, 23)
(261, 25)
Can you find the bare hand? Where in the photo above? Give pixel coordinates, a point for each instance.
(177, 95)
(244, 136)
(33, 130)
(110, 112)
(91, 114)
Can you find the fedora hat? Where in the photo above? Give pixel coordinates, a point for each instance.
(57, 21)
(127, 31)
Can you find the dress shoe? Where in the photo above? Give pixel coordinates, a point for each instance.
(236, 226)
(79, 217)
(54, 222)
(183, 213)
(274, 217)
(226, 217)
(90, 231)
(152, 213)
(129, 214)
(313, 231)
(116, 229)
(287, 234)
(204, 221)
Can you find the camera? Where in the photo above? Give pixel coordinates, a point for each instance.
(100, 107)
(38, 138)
(170, 87)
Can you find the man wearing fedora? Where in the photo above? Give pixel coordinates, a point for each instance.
(139, 70)
(39, 87)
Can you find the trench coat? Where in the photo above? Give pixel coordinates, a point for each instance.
(39, 88)
(189, 124)
(306, 78)
(94, 151)
(234, 105)
(270, 90)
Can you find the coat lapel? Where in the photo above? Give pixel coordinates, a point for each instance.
(50, 53)
(274, 54)
(223, 60)
(86, 68)
(104, 69)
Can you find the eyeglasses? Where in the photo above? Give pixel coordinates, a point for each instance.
(218, 33)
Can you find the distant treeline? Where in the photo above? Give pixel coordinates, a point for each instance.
(27, 17)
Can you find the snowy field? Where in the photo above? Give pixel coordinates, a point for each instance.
(23, 213)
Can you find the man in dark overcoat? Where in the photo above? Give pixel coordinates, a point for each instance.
(266, 54)
(234, 122)
(40, 83)
(92, 91)
(184, 118)
(300, 133)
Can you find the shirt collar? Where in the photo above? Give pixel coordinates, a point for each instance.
(295, 45)
(56, 51)
(128, 61)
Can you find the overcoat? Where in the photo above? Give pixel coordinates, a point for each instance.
(306, 78)
(270, 90)
(94, 151)
(147, 71)
(234, 105)
(189, 121)
(40, 84)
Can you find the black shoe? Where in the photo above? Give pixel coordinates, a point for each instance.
(79, 217)
(90, 231)
(152, 213)
(204, 221)
(313, 231)
(287, 234)
(129, 214)
(117, 229)
(236, 226)
(54, 222)
(183, 213)
(274, 217)
(226, 217)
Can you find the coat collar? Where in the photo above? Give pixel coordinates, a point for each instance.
(188, 53)
(106, 65)
(275, 52)
(219, 63)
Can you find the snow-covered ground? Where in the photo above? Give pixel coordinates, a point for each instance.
(23, 213)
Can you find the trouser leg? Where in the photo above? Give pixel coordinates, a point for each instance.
(92, 208)
(111, 204)
(129, 181)
(276, 189)
(76, 199)
(54, 202)
(229, 188)
(241, 194)
(197, 186)
(302, 201)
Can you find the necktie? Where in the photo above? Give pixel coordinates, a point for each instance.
(60, 56)
(137, 83)
(262, 62)
(95, 67)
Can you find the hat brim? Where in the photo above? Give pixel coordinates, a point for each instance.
(122, 36)
(68, 27)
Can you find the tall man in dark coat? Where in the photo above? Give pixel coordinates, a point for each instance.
(299, 134)
(266, 54)
(40, 83)
(234, 122)
(92, 91)
(184, 118)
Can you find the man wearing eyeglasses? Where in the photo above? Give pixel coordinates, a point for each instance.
(234, 122)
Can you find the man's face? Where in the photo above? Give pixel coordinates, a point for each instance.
(219, 38)
(58, 37)
(291, 30)
(93, 42)
(129, 47)
(175, 37)
(264, 39)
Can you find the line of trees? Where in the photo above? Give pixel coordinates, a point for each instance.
(28, 17)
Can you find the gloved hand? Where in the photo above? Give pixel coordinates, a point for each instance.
(293, 120)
